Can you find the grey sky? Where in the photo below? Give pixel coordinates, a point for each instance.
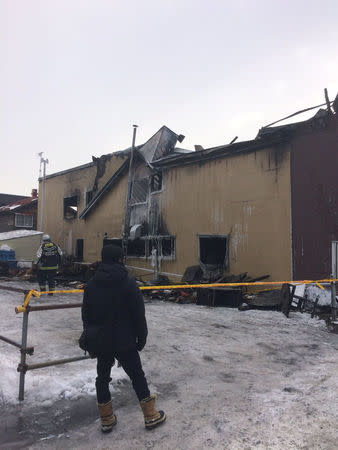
(76, 74)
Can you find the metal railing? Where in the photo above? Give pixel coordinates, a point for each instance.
(23, 367)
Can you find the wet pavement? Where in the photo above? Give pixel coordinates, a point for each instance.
(22, 426)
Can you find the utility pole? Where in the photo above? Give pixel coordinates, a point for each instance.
(128, 198)
(43, 163)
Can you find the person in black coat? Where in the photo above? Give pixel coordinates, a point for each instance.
(113, 306)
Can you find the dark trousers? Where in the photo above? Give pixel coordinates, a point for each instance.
(47, 276)
(131, 364)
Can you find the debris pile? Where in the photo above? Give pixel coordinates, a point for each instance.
(182, 296)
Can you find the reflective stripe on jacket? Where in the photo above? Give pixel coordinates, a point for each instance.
(49, 256)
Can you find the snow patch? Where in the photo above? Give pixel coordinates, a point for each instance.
(45, 386)
(5, 247)
(24, 264)
(18, 233)
(314, 291)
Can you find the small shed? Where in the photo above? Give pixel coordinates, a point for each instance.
(25, 243)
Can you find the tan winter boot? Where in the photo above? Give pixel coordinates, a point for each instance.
(152, 418)
(108, 418)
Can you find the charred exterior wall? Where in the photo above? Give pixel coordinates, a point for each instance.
(314, 177)
(77, 183)
(246, 197)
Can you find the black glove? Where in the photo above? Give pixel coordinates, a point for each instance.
(140, 344)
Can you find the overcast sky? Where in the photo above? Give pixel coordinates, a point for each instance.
(76, 74)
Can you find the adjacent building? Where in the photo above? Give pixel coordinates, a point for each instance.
(18, 212)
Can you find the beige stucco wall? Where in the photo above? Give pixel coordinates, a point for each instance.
(65, 232)
(246, 197)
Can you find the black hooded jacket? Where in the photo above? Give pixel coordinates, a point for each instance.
(112, 298)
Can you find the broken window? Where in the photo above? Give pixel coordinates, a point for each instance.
(70, 205)
(213, 250)
(136, 247)
(139, 191)
(24, 220)
(156, 182)
(79, 250)
(89, 196)
(168, 246)
(165, 246)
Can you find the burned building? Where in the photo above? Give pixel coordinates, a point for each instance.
(264, 206)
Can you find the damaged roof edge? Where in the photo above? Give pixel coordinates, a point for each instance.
(216, 153)
(72, 169)
(109, 184)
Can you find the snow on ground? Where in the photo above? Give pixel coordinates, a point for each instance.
(226, 379)
(53, 334)
(324, 296)
(18, 234)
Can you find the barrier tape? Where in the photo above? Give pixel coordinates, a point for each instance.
(34, 293)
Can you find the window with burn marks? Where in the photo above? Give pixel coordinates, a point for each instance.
(156, 182)
(139, 191)
(213, 250)
(70, 207)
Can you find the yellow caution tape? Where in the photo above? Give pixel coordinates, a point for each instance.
(320, 286)
(35, 293)
(210, 285)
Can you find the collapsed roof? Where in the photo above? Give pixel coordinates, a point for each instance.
(161, 144)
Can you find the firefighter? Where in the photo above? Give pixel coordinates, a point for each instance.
(49, 257)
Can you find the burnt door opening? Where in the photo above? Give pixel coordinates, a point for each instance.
(213, 250)
(79, 250)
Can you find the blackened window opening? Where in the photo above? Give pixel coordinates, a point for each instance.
(89, 196)
(70, 205)
(168, 246)
(213, 250)
(139, 191)
(79, 250)
(165, 246)
(136, 247)
(156, 182)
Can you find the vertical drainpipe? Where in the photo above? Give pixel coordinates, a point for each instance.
(291, 210)
(127, 206)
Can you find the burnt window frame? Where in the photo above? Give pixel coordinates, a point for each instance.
(70, 206)
(214, 236)
(89, 196)
(134, 255)
(146, 183)
(79, 249)
(159, 239)
(152, 188)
